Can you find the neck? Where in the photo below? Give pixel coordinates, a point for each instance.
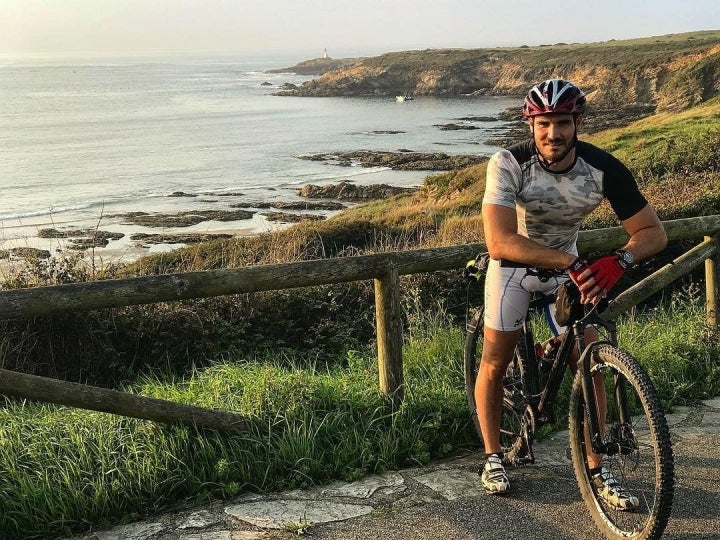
(560, 164)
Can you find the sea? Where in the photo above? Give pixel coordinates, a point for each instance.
(85, 140)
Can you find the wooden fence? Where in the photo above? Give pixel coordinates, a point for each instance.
(384, 268)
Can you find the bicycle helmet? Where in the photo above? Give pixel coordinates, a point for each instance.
(554, 96)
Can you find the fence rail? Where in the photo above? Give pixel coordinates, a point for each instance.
(384, 268)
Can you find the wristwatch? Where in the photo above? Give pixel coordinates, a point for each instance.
(625, 258)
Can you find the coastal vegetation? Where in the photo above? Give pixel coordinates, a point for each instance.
(300, 364)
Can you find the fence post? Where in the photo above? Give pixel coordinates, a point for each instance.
(389, 333)
(712, 280)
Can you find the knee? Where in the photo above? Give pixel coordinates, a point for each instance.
(494, 365)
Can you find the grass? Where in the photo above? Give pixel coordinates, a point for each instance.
(64, 470)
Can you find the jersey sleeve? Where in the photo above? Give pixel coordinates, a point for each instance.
(621, 190)
(502, 180)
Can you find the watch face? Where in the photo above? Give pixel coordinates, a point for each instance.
(626, 256)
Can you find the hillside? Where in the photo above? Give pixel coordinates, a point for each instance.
(671, 72)
(317, 66)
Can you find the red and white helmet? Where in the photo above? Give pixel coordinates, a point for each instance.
(554, 96)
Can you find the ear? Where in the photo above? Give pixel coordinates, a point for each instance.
(578, 120)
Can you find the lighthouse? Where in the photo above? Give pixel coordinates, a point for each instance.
(325, 56)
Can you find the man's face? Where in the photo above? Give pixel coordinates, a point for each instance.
(554, 136)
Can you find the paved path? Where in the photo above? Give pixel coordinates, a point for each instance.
(443, 501)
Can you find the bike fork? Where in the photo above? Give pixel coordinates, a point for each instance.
(588, 389)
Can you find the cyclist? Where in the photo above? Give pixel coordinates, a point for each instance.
(537, 194)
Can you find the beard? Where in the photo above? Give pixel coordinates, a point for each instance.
(554, 151)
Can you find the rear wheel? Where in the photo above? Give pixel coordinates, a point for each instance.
(638, 450)
(514, 401)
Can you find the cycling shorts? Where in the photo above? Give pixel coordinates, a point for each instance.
(508, 291)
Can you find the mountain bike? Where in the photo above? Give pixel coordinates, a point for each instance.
(631, 436)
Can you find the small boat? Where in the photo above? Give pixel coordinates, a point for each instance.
(405, 97)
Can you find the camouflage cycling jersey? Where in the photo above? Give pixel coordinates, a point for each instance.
(551, 205)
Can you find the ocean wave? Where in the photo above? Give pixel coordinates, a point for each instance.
(46, 211)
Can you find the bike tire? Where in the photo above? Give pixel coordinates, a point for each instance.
(640, 453)
(514, 400)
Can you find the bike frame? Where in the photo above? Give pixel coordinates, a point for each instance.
(542, 400)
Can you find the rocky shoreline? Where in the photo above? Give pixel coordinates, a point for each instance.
(320, 202)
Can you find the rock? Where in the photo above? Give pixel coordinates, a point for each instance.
(403, 160)
(82, 244)
(266, 84)
(181, 194)
(79, 233)
(455, 127)
(292, 205)
(184, 219)
(178, 238)
(351, 192)
(29, 253)
(286, 217)
(278, 514)
(309, 205)
(479, 119)
(261, 205)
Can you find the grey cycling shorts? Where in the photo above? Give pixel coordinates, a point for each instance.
(507, 297)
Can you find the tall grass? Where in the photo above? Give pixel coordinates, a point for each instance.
(64, 470)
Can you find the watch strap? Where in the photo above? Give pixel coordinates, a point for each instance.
(625, 258)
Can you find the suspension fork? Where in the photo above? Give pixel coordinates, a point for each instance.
(588, 388)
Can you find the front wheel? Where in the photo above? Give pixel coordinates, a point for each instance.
(638, 452)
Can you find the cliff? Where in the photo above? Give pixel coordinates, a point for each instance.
(317, 66)
(671, 72)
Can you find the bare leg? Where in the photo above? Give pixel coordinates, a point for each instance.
(498, 347)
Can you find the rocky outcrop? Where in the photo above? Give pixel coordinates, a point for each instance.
(287, 217)
(403, 160)
(27, 253)
(191, 238)
(669, 72)
(81, 239)
(183, 219)
(351, 192)
(293, 205)
(317, 66)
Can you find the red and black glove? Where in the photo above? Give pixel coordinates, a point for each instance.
(607, 271)
(577, 267)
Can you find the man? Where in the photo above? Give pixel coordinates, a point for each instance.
(536, 197)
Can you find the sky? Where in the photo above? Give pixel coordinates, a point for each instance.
(305, 28)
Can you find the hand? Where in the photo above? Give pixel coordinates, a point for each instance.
(606, 271)
(578, 271)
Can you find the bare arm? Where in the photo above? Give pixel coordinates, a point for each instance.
(504, 242)
(647, 235)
